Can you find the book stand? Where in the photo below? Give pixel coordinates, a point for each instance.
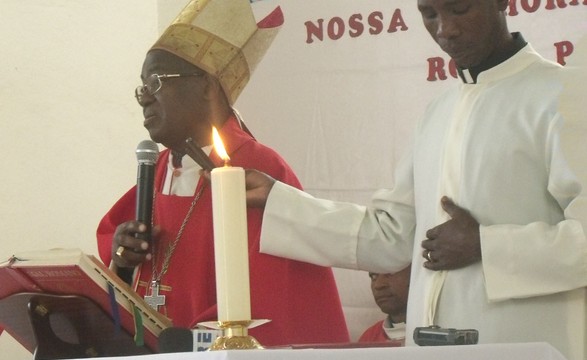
(64, 327)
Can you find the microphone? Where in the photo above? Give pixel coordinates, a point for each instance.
(175, 339)
(147, 153)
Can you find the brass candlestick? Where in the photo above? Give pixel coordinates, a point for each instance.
(235, 335)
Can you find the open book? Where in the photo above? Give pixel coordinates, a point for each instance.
(62, 273)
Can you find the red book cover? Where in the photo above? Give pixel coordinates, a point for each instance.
(13, 281)
(70, 272)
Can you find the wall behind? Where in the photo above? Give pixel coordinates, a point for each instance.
(69, 120)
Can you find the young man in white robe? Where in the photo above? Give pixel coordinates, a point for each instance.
(486, 206)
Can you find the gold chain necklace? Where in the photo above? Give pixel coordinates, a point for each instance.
(155, 299)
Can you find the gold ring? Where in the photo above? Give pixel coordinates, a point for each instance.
(120, 250)
(428, 256)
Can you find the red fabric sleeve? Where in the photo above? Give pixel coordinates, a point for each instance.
(122, 211)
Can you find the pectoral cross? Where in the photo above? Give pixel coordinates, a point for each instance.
(155, 299)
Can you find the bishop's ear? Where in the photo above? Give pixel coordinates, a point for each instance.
(212, 85)
(214, 90)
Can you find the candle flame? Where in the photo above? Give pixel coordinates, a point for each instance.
(219, 146)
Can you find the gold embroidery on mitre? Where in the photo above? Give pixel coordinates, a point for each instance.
(210, 53)
(222, 38)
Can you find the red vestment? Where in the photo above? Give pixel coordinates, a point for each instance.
(376, 334)
(300, 299)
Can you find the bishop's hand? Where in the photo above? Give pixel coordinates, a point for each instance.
(127, 250)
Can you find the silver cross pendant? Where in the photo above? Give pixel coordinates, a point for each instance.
(155, 299)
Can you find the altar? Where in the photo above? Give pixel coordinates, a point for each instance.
(525, 351)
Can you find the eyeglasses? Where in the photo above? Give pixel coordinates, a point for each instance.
(154, 83)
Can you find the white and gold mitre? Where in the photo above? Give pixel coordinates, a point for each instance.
(222, 38)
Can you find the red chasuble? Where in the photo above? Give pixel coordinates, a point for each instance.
(300, 299)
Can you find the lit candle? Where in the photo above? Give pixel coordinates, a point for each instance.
(229, 210)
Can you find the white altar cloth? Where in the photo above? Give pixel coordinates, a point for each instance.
(525, 351)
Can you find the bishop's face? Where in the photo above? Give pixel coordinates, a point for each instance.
(469, 31)
(179, 109)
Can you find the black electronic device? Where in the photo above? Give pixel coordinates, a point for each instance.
(435, 335)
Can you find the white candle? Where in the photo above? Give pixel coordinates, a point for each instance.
(229, 210)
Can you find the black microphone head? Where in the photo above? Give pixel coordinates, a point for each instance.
(175, 339)
(147, 152)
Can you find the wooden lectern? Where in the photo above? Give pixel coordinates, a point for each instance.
(65, 327)
(64, 304)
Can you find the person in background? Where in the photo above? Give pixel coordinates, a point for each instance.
(390, 292)
(191, 78)
(486, 205)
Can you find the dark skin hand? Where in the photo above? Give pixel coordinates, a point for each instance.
(135, 251)
(455, 243)
(258, 186)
